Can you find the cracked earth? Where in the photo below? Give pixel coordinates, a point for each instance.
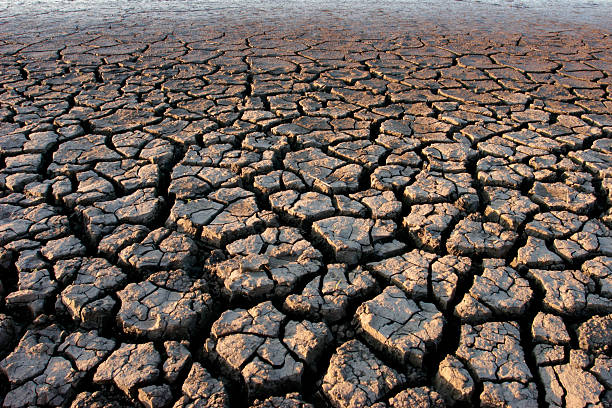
(295, 216)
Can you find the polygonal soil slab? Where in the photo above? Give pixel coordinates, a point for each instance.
(328, 297)
(499, 291)
(168, 305)
(494, 355)
(224, 216)
(161, 249)
(88, 296)
(472, 237)
(129, 367)
(48, 365)
(400, 327)
(357, 378)
(412, 271)
(249, 346)
(267, 264)
(351, 238)
(324, 173)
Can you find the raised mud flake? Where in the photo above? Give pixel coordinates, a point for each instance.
(166, 305)
(91, 188)
(131, 174)
(158, 151)
(291, 400)
(36, 284)
(277, 180)
(600, 270)
(351, 238)
(192, 181)
(357, 378)
(409, 272)
(421, 397)
(80, 154)
(467, 96)
(446, 273)
(499, 291)
(238, 216)
(522, 64)
(140, 207)
(161, 249)
(153, 396)
(493, 352)
(268, 264)
(178, 359)
(530, 139)
(90, 282)
(328, 297)
(431, 188)
(382, 204)
(261, 142)
(571, 385)
(190, 216)
(201, 389)
(23, 163)
(555, 224)
(131, 144)
(454, 381)
(569, 293)
(548, 328)
(321, 138)
(39, 376)
(494, 355)
(9, 332)
(559, 196)
(324, 173)
(509, 394)
(35, 142)
(307, 340)
(129, 367)
(249, 346)
(361, 98)
(595, 238)
(427, 222)
(122, 236)
(498, 171)
(597, 162)
(449, 157)
(348, 207)
(602, 370)
(32, 354)
(391, 177)
(396, 143)
(595, 335)
(302, 207)
(95, 399)
(472, 237)
(535, 254)
(401, 327)
(362, 152)
(63, 248)
(123, 120)
(86, 349)
(270, 65)
(508, 207)
(38, 221)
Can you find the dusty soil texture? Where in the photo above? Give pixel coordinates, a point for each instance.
(209, 209)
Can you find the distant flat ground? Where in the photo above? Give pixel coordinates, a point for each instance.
(511, 15)
(325, 204)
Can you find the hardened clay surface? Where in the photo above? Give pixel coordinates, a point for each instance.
(309, 204)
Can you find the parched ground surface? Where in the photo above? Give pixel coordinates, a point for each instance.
(203, 212)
